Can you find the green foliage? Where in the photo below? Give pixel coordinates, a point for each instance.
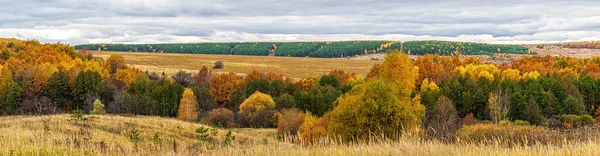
(316, 49)
(134, 135)
(202, 133)
(465, 48)
(521, 123)
(77, 115)
(156, 138)
(11, 99)
(318, 101)
(329, 80)
(229, 138)
(572, 105)
(58, 89)
(87, 83)
(98, 108)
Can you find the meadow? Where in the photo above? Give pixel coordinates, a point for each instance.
(295, 67)
(111, 135)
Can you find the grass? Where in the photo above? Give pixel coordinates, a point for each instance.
(290, 66)
(109, 135)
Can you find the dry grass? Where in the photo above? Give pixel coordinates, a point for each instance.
(290, 66)
(109, 135)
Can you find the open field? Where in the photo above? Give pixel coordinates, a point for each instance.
(290, 66)
(109, 135)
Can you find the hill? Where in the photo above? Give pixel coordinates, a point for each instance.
(315, 49)
(110, 135)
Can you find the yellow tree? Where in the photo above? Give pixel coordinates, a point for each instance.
(188, 106)
(256, 103)
(512, 74)
(114, 62)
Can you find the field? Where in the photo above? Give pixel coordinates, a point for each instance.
(110, 135)
(290, 66)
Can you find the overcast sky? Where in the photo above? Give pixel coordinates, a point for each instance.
(164, 21)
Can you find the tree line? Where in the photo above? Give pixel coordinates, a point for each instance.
(316, 49)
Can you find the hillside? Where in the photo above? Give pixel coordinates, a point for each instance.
(110, 135)
(316, 49)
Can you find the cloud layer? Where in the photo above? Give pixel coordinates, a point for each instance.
(165, 21)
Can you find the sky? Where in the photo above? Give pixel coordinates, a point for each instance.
(193, 21)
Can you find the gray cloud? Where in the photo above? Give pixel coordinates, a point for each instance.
(165, 21)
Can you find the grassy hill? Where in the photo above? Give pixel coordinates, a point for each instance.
(110, 135)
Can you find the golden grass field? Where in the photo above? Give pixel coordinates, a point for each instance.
(109, 135)
(294, 67)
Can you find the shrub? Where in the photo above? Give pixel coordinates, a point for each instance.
(586, 120)
(98, 108)
(242, 120)
(504, 135)
(571, 121)
(521, 123)
(289, 122)
(312, 128)
(469, 120)
(597, 113)
(442, 121)
(263, 119)
(554, 123)
(219, 65)
(285, 101)
(221, 117)
(257, 102)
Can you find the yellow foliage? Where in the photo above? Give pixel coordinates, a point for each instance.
(312, 128)
(127, 75)
(531, 75)
(256, 103)
(398, 68)
(429, 86)
(568, 72)
(512, 74)
(479, 70)
(188, 106)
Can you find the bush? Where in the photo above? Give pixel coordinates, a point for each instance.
(521, 123)
(289, 122)
(442, 121)
(221, 117)
(504, 135)
(469, 120)
(263, 119)
(257, 102)
(242, 120)
(285, 101)
(571, 121)
(98, 108)
(586, 120)
(313, 128)
(219, 65)
(554, 123)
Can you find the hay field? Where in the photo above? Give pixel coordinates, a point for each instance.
(294, 67)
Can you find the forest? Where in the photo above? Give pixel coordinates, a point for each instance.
(316, 49)
(433, 93)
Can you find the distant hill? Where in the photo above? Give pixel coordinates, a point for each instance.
(316, 49)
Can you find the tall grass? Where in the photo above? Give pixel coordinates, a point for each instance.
(109, 135)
